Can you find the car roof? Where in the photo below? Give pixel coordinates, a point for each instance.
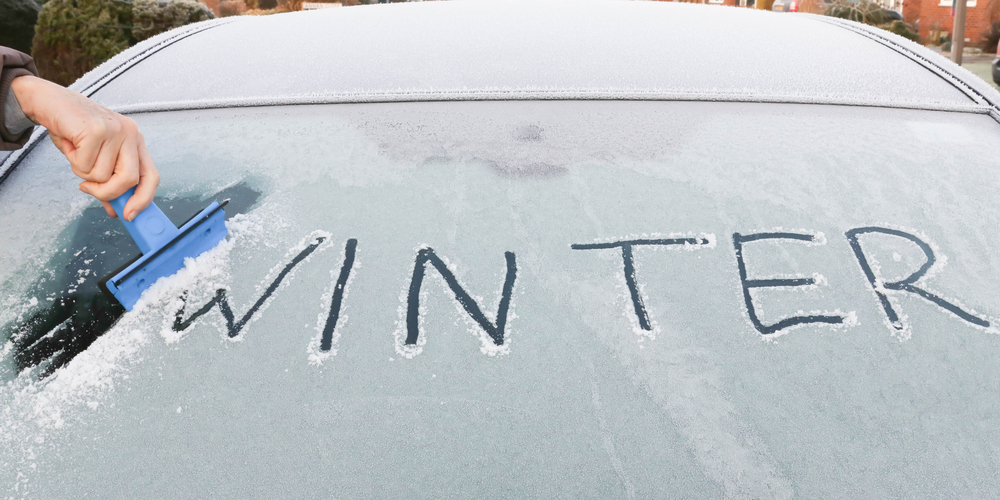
(485, 50)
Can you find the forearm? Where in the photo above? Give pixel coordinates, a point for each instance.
(30, 92)
(104, 148)
(14, 66)
(14, 118)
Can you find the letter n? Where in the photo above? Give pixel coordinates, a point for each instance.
(495, 330)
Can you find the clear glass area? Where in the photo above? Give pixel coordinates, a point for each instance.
(519, 299)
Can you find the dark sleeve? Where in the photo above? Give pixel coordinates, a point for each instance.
(14, 64)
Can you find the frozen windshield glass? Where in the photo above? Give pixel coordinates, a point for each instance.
(511, 299)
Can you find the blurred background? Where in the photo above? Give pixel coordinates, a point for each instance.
(68, 38)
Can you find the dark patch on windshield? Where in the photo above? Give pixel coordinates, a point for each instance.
(74, 312)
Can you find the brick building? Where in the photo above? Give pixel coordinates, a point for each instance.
(935, 19)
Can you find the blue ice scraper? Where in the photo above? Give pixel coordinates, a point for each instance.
(163, 246)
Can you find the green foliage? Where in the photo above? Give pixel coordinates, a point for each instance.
(152, 17)
(864, 12)
(902, 29)
(74, 36)
(17, 23)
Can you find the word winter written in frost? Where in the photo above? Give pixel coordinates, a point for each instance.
(494, 333)
(427, 259)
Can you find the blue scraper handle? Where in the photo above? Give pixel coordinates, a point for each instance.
(150, 229)
(164, 247)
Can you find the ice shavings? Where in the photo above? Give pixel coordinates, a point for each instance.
(34, 409)
(188, 298)
(202, 276)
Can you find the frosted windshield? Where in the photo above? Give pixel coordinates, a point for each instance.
(513, 299)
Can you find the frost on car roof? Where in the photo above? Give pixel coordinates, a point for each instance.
(489, 50)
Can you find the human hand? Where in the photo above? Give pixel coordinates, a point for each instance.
(104, 148)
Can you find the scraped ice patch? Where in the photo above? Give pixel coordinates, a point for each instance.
(34, 409)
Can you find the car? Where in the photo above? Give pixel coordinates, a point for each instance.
(520, 249)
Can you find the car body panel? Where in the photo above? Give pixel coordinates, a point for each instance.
(528, 50)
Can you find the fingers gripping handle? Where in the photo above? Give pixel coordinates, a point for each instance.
(151, 229)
